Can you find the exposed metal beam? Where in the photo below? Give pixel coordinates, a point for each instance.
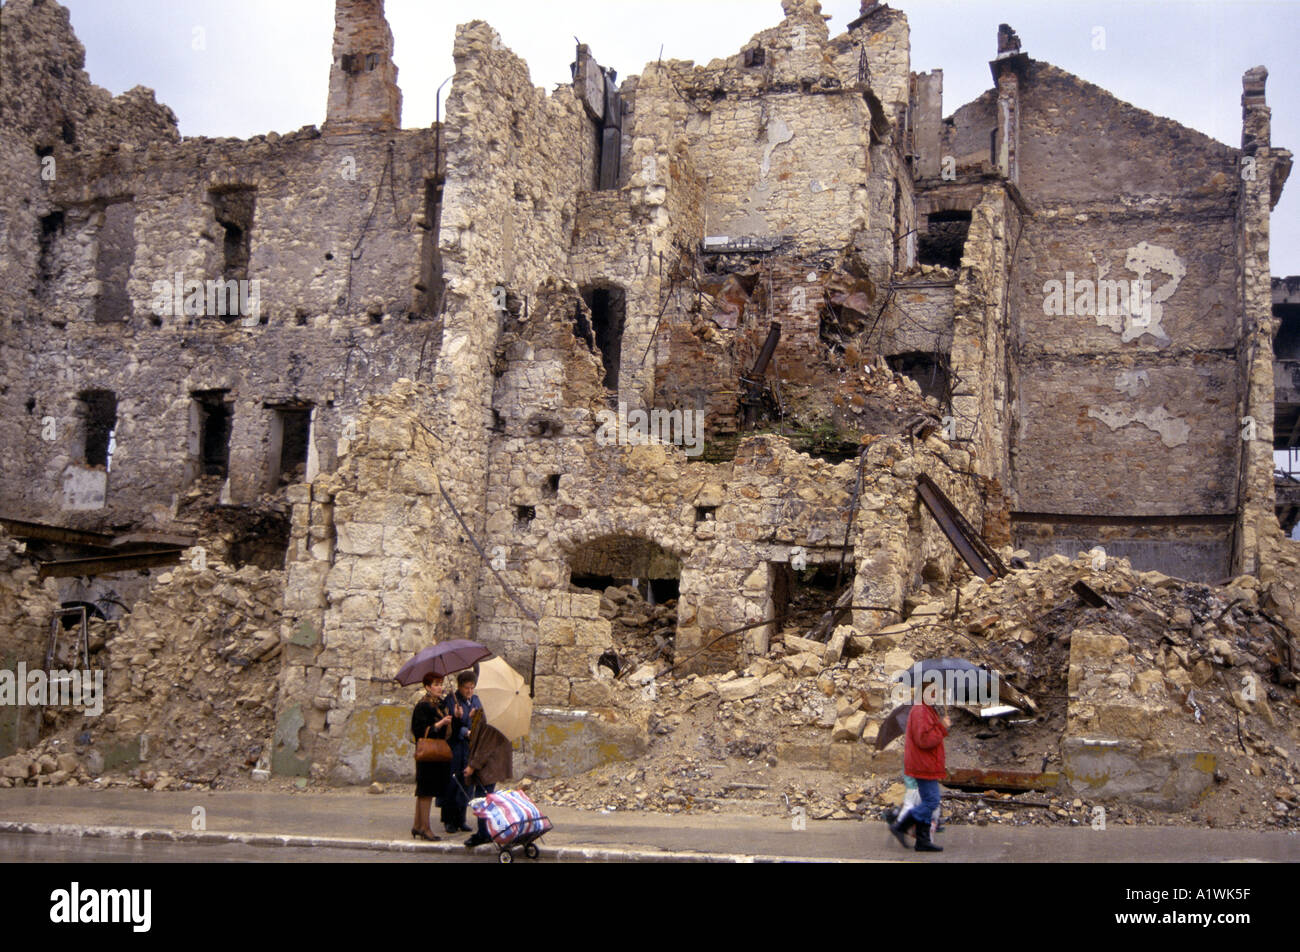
(23, 529)
(108, 564)
(977, 553)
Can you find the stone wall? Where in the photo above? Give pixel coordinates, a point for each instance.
(328, 236)
(1146, 386)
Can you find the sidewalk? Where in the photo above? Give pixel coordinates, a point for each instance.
(352, 819)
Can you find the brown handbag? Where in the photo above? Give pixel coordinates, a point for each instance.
(432, 750)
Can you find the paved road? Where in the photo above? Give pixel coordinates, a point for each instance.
(378, 826)
(25, 848)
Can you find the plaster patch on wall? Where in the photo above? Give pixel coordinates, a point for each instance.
(1173, 430)
(778, 133)
(1143, 258)
(1129, 307)
(84, 489)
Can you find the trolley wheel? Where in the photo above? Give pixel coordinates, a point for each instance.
(505, 857)
(531, 851)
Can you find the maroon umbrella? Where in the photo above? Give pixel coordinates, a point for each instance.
(442, 659)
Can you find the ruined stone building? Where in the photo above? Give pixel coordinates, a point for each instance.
(385, 361)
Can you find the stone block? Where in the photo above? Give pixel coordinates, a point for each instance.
(738, 689)
(587, 692)
(1131, 773)
(592, 632)
(360, 538)
(1092, 647)
(850, 728)
(585, 606)
(551, 689)
(564, 743)
(574, 662)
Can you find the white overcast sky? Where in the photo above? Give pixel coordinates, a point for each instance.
(264, 64)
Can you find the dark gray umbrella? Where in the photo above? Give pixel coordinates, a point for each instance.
(442, 659)
(985, 679)
(941, 664)
(894, 725)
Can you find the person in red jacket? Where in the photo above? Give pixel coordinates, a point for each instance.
(923, 761)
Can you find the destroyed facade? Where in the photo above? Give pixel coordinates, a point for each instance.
(371, 371)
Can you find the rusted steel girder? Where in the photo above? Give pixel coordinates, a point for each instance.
(977, 553)
(753, 381)
(1002, 779)
(108, 564)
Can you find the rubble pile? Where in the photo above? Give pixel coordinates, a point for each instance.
(642, 632)
(1176, 664)
(26, 604)
(190, 680)
(781, 735)
(53, 762)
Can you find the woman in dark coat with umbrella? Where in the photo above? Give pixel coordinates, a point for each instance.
(461, 705)
(431, 778)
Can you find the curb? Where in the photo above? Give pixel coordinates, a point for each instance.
(562, 853)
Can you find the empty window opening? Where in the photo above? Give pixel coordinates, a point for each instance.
(290, 442)
(233, 209)
(608, 308)
(68, 132)
(755, 56)
(360, 62)
(930, 371)
(1286, 342)
(944, 238)
(51, 228)
(801, 597)
(114, 257)
(429, 287)
(99, 418)
(498, 422)
(214, 421)
(705, 513)
(551, 488)
(524, 515)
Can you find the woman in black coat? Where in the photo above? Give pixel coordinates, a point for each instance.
(431, 778)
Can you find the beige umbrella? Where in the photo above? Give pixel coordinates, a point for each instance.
(504, 694)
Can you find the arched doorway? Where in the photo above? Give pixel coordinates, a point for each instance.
(639, 584)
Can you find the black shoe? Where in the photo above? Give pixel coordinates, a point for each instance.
(923, 843)
(465, 829)
(475, 840)
(451, 828)
(898, 829)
